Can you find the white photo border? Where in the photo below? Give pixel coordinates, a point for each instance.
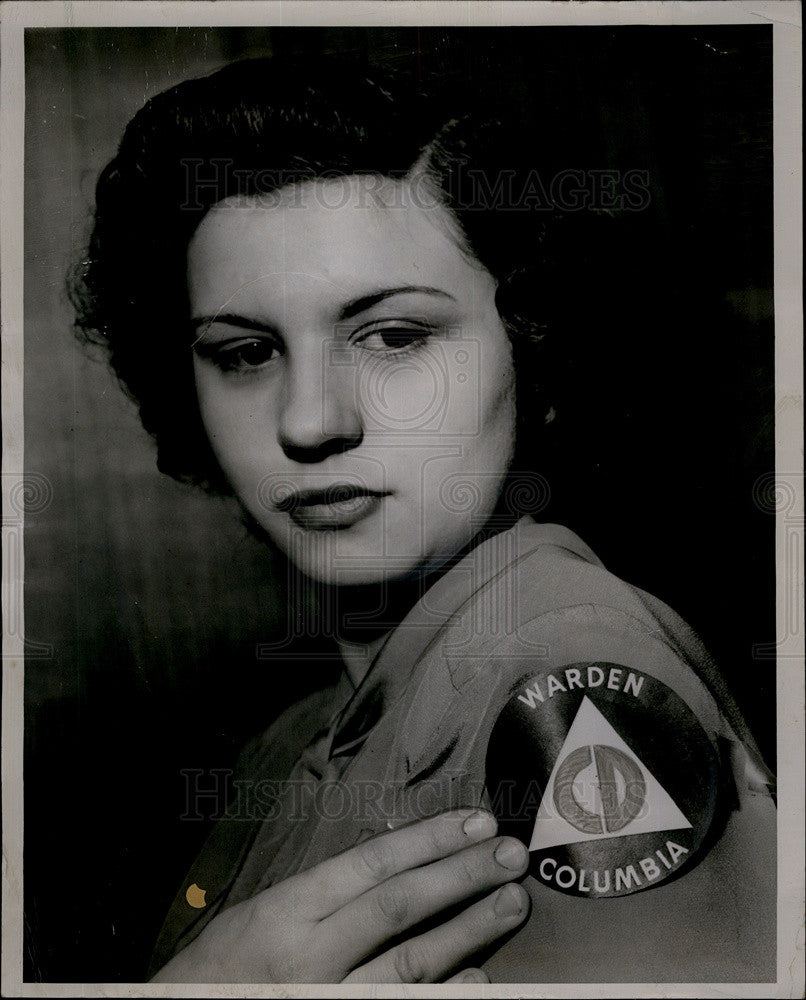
(785, 18)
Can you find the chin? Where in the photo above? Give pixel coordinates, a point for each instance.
(375, 551)
(352, 559)
(353, 576)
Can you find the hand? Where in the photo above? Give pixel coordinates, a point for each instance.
(330, 924)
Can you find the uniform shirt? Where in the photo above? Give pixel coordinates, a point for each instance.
(587, 716)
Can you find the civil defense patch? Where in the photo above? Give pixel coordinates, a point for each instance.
(605, 774)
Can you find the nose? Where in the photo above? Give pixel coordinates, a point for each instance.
(319, 416)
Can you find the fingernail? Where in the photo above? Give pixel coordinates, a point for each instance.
(511, 854)
(479, 825)
(509, 901)
(474, 976)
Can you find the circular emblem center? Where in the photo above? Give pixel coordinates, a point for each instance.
(598, 789)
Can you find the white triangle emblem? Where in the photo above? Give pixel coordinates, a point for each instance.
(599, 789)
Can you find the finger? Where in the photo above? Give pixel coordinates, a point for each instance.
(431, 956)
(469, 976)
(405, 900)
(328, 886)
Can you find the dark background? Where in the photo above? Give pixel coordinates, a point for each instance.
(151, 599)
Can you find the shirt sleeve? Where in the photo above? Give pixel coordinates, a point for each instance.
(592, 736)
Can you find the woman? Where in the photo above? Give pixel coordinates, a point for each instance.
(320, 293)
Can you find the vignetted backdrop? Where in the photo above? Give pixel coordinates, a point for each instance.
(147, 600)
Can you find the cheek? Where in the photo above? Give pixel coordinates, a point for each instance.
(231, 419)
(220, 421)
(483, 398)
(461, 486)
(487, 410)
(463, 390)
(407, 395)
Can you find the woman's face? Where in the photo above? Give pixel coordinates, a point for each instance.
(353, 375)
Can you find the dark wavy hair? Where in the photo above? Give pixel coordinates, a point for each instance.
(260, 124)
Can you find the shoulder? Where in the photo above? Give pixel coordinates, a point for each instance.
(556, 622)
(544, 620)
(554, 605)
(591, 715)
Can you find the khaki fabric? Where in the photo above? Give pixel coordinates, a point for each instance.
(412, 740)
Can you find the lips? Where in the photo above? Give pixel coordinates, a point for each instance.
(335, 508)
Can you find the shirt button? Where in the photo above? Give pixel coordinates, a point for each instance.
(196, 897)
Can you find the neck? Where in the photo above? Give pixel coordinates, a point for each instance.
(359, 658)
(361, 618)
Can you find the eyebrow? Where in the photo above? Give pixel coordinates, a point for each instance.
(347, 311)
(356, 306)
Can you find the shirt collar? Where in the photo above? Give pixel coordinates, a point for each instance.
(392, 667)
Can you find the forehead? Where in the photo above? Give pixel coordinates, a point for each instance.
(328, 238)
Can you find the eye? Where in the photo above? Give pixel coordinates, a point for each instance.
(240, 355)
(391, 337)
